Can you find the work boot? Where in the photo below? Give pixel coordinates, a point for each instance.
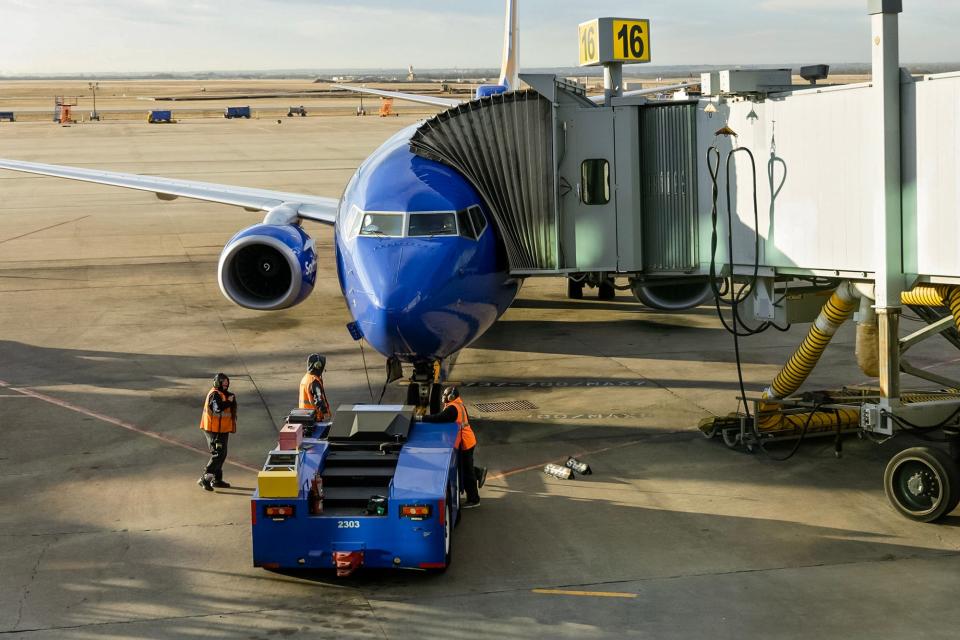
(220, 484)
(205, 483)
(481, 473)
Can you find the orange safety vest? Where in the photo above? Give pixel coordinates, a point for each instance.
(306, 400)
(465, 436)
(217, 422)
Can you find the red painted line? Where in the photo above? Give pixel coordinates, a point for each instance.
(119, 423)
(541, 465)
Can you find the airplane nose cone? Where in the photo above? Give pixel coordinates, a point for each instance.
(399, 276)
(409, 282)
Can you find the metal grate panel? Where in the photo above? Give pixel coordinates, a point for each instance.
(501, 407)
(503, 145)
(668, 148)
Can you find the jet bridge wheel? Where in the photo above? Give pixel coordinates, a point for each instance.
(922, 483)
(606, 290)
(574, 289)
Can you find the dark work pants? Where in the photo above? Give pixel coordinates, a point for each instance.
(468, 475)
(217, 445)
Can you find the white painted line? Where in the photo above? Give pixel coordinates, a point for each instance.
(24, 392)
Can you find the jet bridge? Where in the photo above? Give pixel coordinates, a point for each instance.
(812, 204)
(577, 187)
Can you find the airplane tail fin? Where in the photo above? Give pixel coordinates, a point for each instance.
(510, 71)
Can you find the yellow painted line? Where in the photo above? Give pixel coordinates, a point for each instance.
(596, 594)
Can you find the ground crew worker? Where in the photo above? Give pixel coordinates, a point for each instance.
(466, 442)
(312, 394)
(218, 421)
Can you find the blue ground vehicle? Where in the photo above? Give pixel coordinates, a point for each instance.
(377, 490)
(160, 115)
(236, 112)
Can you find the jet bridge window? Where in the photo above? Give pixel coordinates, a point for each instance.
(595, 182)
(382, 224)
(433, 224)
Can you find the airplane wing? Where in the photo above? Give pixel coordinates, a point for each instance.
(316, 208)
(643, 92)
(449, 103)
(435, 101)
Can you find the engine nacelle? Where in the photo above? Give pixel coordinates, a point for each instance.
(676, 296)
(268, 267)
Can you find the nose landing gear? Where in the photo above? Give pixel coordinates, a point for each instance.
(425, 388)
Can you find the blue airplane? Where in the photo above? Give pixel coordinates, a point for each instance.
(421, 264)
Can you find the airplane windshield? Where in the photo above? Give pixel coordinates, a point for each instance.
(382, 224)
(433, 224)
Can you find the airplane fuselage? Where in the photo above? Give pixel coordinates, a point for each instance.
(419, 260)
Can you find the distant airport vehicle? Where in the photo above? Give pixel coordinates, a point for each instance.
(159, 115)
(7, 115)
(296, 111)
(378, 490)
(236, 112)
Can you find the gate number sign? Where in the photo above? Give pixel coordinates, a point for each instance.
(614, 40)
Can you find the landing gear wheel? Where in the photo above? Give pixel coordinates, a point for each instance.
(574, 289)
(435, 404)
(413, 394)
(605, 291)
(922, 483)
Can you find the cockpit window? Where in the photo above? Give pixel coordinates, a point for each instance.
(479, 220)
(433, 224)
(466, 227)
(382, 224)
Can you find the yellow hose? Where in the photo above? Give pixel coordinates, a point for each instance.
(835, 312)
(822, 420)
(935, 295)
(793, 374)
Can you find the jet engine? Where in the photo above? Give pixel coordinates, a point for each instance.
(268, 267)
(674, 296)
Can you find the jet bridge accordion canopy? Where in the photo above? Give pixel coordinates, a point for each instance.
(503, 144)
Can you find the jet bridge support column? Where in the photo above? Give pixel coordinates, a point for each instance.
(612, 82)
(887, 207)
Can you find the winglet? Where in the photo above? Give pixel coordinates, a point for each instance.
(509, 72)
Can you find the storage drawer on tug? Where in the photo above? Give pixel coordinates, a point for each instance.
(372, 489)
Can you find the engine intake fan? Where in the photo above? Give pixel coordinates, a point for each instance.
(268, 267)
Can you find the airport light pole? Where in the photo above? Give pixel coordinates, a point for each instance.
(93, 87)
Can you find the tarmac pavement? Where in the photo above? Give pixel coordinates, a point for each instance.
(112, 327)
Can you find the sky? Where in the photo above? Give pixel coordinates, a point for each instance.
(89, 36)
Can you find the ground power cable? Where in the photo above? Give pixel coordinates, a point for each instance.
(366, 372)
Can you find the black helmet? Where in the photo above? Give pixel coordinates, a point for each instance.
(219, 379)
(316, 363)
(450, 394)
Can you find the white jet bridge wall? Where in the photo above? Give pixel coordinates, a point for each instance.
(818, 147)
(931, 176)
(821, 148)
